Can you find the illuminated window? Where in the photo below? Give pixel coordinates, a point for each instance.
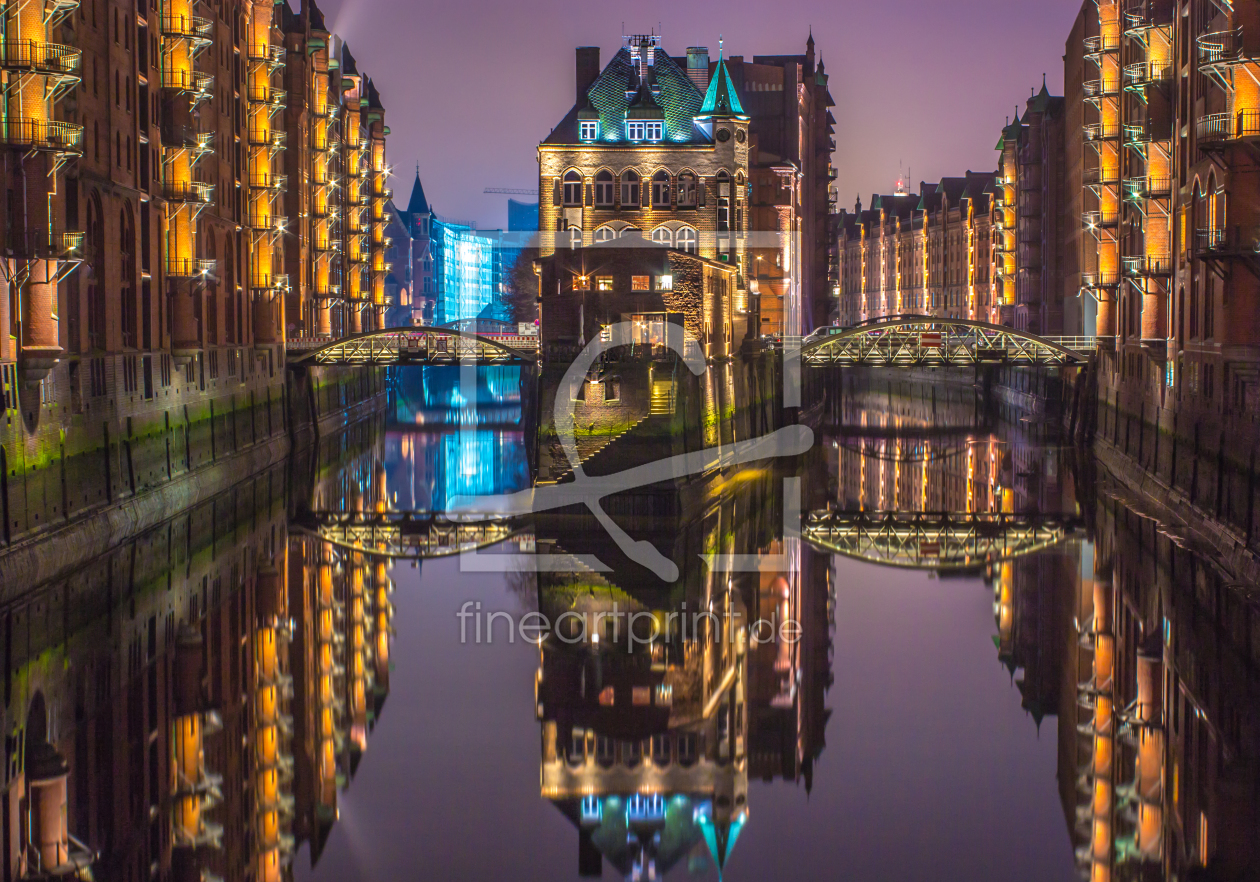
(634, 130)
(686, 240)
(604, 189)
(687, 190)
(581, 283)
(640, 283)
(630, 189)
(606, 696)
(660, 190)
(603, 283)
(604, 234)
(654, 131)
(572, 189)
(664, 283)
(588, 129)
(641, 696)
(665, 697)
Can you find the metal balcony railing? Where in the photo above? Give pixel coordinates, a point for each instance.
(1100, 280)
(1222, 47)
(190, 267)
(1095, 219)
(266, 54)
(1137, 133)
(267, 94)
(195, 82)
(1102, 86)
(190, 27)
(269, 182)
(1147, 72)
(267, 137)
(1235, 241)
(1101, 131)
(41, 134)
(1101, 43)
(269, 281)
(1147, 266)
(1218, 128)
(325, 244)
(1101, 176)
(188, 191)
(39, 57)
(44, 245)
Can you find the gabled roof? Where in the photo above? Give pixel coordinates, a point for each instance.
(348, 66)
(721, 99)
(614, 89)
(316, 17)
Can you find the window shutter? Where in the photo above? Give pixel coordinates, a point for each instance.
(556, 192)
(701, 191)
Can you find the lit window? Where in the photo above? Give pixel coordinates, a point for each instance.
(641, 695)
(604, 188)
(665, 697)
(634, 131)
(606, 696)
(665, 283)
(572, 189)
(640, 283)
(660, 190)
(687, 190)
(581, 283)
(588, 129)
(603, 283)
(686, 240)
(654, 131)
(630, 189)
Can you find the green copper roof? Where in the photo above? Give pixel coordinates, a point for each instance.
(677, 97)
(721, 99)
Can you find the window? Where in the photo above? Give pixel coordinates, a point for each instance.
(588, 129)
(641, 696)
(606, 696)
(640, 283)
(686, 240)
(663, 236)
(572, 189)
(687, 190)
(604, 189)
(660, 190)
(630, 189)
(629, 231)
(575, 237)
(603, 283)
(654, 131)
(604, 234)
(634, 131)
(581, 283)
(665, 283)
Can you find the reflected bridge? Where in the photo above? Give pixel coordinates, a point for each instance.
(418, 346)
(409, 535)
(939, 541)
(938, 342)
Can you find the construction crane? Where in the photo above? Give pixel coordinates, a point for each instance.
(511, 192)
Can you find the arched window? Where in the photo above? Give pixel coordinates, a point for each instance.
(630, 189)
(686, 240)
(96, 274)
(604, 234)
(660, 190)
(575, 237)
(604, 189)
(630, 231)
(663, 236)
(687, 190)
(231, 300)
(724, 202)
(572, 189)
(127, 273)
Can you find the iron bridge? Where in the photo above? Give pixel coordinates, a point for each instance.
(409, 535)
(416, 346)
(939, 541)
(936, 342)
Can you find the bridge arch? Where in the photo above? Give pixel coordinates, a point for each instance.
(909, 341)
(416, 345)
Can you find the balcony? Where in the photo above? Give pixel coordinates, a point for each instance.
(1234, 242)
(1219, 129)
(1220, 48)
(1101, 131)
(1095, 219)
(187, 27)
(1147, 187)
(1099, 44)
(188, 191)
(1100, 177)
(1146, 73)
(30, 56)
(1137, 134)
(267, 94)
(269, 282)
(190, 267)
(325, 245)
(200, 85)
(272, 56)
(39, 134)
(1139, 267)
(1099, 87)
(44, 245)
(383, 193)
(1098, 281)
(273, 138)
(269, 182)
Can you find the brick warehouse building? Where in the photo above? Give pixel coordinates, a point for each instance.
(673, 151)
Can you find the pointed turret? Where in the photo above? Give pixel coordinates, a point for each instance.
(417, 204)
(721, 99)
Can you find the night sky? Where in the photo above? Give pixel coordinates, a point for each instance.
(471, 87)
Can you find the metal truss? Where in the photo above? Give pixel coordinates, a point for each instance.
(409, 535)
(421, 346)
(934, 540)
(936, 342)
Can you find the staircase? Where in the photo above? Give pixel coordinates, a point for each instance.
(587, 448)
(663, 397)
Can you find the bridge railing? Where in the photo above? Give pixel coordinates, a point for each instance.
(1082, 343)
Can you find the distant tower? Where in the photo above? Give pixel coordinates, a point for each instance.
(420, 225)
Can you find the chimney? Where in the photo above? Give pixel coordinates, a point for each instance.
(587, 71)
(698, 66)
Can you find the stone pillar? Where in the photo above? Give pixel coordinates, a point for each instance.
(46, 775)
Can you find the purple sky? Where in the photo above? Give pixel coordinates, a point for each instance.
(471, 87)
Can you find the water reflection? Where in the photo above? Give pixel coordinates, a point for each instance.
(196, 703)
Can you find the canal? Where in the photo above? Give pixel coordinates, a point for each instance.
(937, 642)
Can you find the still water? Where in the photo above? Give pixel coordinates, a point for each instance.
(936, 646)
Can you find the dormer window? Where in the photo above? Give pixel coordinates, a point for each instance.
(654, 131)
(588, 129)
(634, 130)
